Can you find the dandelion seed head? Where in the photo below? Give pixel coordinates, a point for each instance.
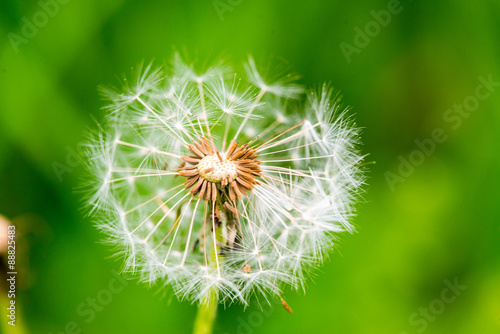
(206, 182)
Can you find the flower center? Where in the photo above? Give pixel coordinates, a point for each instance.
(212, 169)
(211, 174)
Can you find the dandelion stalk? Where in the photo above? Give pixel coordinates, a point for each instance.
(205, 317)
(207, 310)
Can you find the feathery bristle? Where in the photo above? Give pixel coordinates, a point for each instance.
(196, 203)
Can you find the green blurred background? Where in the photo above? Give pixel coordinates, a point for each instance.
(440, 223)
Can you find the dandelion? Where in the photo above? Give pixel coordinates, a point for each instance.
(223, 188)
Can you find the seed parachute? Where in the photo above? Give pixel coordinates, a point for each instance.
(212, 184)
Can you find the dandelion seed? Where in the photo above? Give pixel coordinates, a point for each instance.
(214, 187)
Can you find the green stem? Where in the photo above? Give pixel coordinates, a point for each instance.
(205, 318)
(207, 310)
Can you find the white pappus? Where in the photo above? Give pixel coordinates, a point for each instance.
(219, 186)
